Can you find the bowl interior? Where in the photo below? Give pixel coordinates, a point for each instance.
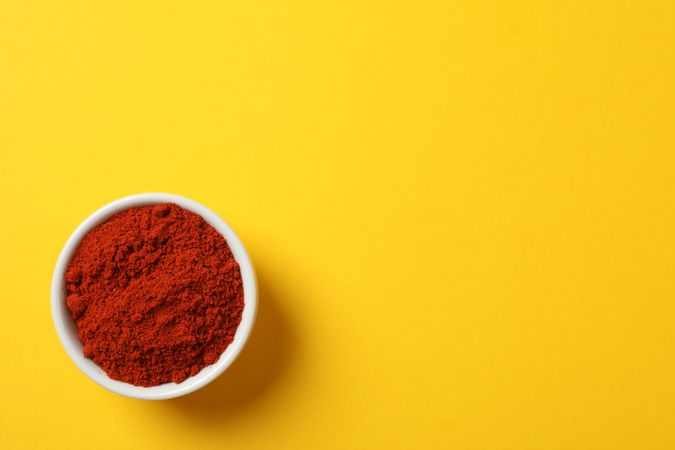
(67, 331)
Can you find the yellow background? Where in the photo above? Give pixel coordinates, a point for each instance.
(462, 215)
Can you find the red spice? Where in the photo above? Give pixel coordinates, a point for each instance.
(156, 295)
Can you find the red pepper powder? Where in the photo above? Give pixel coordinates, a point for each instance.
(155, 293)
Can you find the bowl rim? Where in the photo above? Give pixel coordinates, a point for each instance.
(65, 326)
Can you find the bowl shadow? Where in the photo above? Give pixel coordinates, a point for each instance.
(262, 363)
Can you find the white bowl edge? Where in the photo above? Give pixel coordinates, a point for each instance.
(65, 326)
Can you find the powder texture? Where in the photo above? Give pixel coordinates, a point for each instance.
(155, 293)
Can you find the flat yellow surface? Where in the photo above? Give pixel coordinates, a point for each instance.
(462, 215)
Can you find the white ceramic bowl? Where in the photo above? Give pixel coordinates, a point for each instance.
(67, 332)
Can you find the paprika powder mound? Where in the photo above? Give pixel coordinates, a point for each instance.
(155, 293)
